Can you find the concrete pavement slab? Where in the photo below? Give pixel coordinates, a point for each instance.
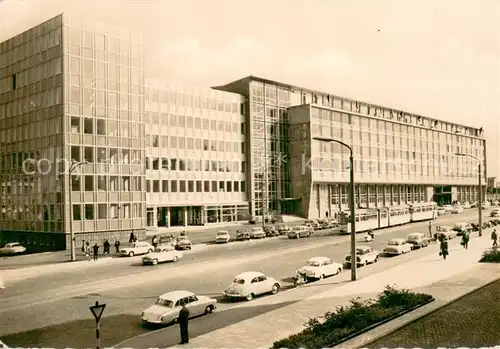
(262, 331)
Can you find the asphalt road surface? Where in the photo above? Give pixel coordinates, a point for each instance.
(129, 288)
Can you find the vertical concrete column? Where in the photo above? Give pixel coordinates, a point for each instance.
(168, 217)
(155, 217)
(185, 212)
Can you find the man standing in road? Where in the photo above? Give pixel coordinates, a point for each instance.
(96, 252)
(494, 237)
(183, 324)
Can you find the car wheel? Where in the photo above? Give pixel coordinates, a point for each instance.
(275, 289)
(339, 270)
(155, 261)
(250, 296)
(375, 260)
(189, 247)
(209, 309)
(131, 254)
(321, 277)
(150, 250)
(175, 259)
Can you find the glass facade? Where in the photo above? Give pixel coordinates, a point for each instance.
(195, 156)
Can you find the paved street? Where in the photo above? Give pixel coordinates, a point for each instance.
(127, 288)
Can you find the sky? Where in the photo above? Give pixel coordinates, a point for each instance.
(435, 58)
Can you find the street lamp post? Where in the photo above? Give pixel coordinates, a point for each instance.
(97, 311)
(351, 203)
(74, 165)
(480, 190)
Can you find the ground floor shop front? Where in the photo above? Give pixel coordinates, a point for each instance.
(170, 216)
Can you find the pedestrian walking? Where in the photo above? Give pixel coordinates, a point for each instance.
(131, 239)
(443, 246)
(494, 237)
(430, 230)
(117, 246)
(96, 252)
(465, 240)
(83, 246)
(154, 241)
(88, 250)
(183, 324)
(106, 246)
(136, 237)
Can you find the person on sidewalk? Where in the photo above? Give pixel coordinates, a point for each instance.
(465, 240)
(96, 252)
(443, 246)
(131, 239)
(106, 247)
(183, 324)
(154, 241)
(494, 237)
(88, 250)
(136, 237)
(83, 246)
(117, 246)
(430, 229)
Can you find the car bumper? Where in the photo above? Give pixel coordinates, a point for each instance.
(221, 241)
(149, 321)
(232, 295)
(392, 253)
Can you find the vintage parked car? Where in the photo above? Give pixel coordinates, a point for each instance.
(283, 229)
(308, 226)
(441, 211)
(495, 212)
(364, 255)
(12, 248)
(299, 232)
(396, 247)
(448, 208)
(183, 243)
(222, 237)
(242, 235)
(167, 307)
(446, 232)
(159, 256)
(250, 284)
(320, 267)
(257, 233)
(466, 206)
(462, 227)
(457, 209)
(138, 248)
(418, 240)
(313, 223)
(270, 231)
(485, 205)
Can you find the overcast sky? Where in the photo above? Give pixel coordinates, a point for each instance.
(434, 58)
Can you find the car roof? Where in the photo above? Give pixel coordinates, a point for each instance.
(175, 295)
(222, 232)
(319, 259)
(249, 275)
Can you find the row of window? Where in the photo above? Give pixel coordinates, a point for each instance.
(174, 164)
(105, 183)
(189, 143)
(193, 122)
(181, 186)
(105, 127)
(107, 211)
(106, 155)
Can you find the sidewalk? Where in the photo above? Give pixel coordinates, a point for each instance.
(445, 280)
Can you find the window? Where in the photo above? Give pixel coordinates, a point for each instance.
(173, 186)
(206, 186)
(191, 186)
(222, 186)
(101, 183)
(75, 124)
(75, 153)
(88, 154)
(206, 144)
(173, 164)
(228, 187)
(89, 211)
(243, 187)
(198, 187)
(164, 186)
(101, 127)
(148, 186)
(214, 187)
(88, 126)
(182, 186)
(89, 183)
(14, 81)
(77, 212)
(236, 187)
(156, 186)
(76, 184)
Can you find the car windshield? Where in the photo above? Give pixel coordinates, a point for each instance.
(360, 251)
(182, 238)
(413, 237)
(238, 281)
(313, 264)
(394, 243)
(165, 303)
(222, 233)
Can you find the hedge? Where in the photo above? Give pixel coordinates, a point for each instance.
(491, 256)
(333, 327)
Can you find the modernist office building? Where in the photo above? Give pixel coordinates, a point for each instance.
(163, 155)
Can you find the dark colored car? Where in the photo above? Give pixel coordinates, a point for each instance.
(271, 231)
(283, 229)
(242, 235)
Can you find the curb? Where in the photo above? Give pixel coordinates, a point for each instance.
(389, 319)
(431, 311)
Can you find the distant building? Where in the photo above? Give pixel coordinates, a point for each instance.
(493, 183)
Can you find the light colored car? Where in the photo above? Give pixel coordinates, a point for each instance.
(462, 227)
(138, 248)
(495, 212)
(242, 234)
(167, 307)
(320, 267)
(314, 223)
(283, 228)
(299, 232)
(222, 237)
(364, 255)
(396, 247)
(457, 210)
(448, 208)
(12, 248)
(466, 206)
(418, 240)
(446, 232)
(159, 256)
(485, 205)
(183, 243)
(250, 284)
(441, 211)
(257, 233)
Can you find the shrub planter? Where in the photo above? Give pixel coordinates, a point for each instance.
(491, 255)
(354, 319)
